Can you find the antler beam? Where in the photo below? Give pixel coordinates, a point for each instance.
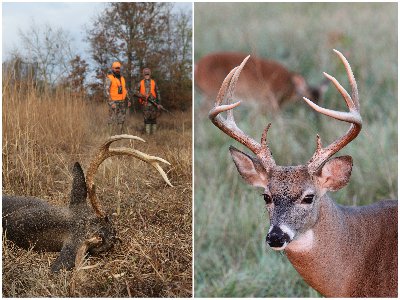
(321, 155)
(228, 125)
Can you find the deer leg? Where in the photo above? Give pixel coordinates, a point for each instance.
(73, 253)
(66, 259)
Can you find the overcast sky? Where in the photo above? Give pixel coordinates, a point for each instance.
(70, 16)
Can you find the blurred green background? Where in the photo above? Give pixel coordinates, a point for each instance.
(231, 258)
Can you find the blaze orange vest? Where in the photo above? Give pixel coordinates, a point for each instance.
(115, 83)
(152, 88)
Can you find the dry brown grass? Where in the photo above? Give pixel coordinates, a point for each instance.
(42, 138)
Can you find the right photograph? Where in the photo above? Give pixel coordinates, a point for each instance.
(295, 150)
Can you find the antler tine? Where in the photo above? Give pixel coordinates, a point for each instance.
(224, 87)
(232, 87)
(228, 125)
(321, 155)
(352, 80)
(103, 153)
(152, 160)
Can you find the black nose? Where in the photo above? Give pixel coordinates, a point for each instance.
(277, 238)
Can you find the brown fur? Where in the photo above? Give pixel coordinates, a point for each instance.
(351, 256)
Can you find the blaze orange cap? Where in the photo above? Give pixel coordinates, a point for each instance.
(116, 64)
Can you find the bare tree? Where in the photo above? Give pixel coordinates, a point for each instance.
(77, 75)
(49, 48)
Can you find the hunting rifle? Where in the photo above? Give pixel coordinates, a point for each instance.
(159, 106)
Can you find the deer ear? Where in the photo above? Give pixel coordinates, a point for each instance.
(300, 84)
(335, 174)
(79, 191)
(323, 87)
(249, 168)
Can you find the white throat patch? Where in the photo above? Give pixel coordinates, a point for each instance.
(303, 242)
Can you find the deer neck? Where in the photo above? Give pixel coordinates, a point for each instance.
(318, 255)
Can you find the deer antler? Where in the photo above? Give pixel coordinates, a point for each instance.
(321, 155)
(105, 152)
(229, 126)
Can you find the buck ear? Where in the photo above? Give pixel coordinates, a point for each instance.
(335, 174)
(300, 84)
(79, 191)
(249, 168)
(323, 87)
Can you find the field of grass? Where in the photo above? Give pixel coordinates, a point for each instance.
(42, 138)
(231, 257)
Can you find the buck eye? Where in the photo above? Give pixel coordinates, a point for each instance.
(308, 199)
(267, 198)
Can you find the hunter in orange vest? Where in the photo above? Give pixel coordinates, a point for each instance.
(149, 97)
(116, 92)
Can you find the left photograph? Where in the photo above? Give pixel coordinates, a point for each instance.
(97, 150)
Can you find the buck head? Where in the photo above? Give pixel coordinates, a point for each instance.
(86, 223)
(302, 88)
(293, 194)
(104, 230)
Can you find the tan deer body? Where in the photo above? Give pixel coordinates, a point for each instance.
(340, 251)
(261, 79)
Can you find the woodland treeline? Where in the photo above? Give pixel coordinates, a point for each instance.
(136, 34)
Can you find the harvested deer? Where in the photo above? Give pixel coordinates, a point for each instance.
(261, 80)
(75, 230)
(339, 251)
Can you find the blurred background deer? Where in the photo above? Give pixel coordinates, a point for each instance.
(340, 251)
(75, 230)
(265, 81)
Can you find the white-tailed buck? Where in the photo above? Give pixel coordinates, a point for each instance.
(339, 251)
(75, 230)
(262, 80)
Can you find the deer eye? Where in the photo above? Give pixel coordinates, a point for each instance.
(308, 199)
(267, 198)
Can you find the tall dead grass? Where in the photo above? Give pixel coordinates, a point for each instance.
(42, 137)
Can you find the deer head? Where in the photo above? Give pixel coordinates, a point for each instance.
(33, 223)
(293, 194)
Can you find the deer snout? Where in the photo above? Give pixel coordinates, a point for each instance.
(277, 238)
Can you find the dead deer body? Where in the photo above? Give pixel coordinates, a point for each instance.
(75, 230)
(339, 251)
(262, 80)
